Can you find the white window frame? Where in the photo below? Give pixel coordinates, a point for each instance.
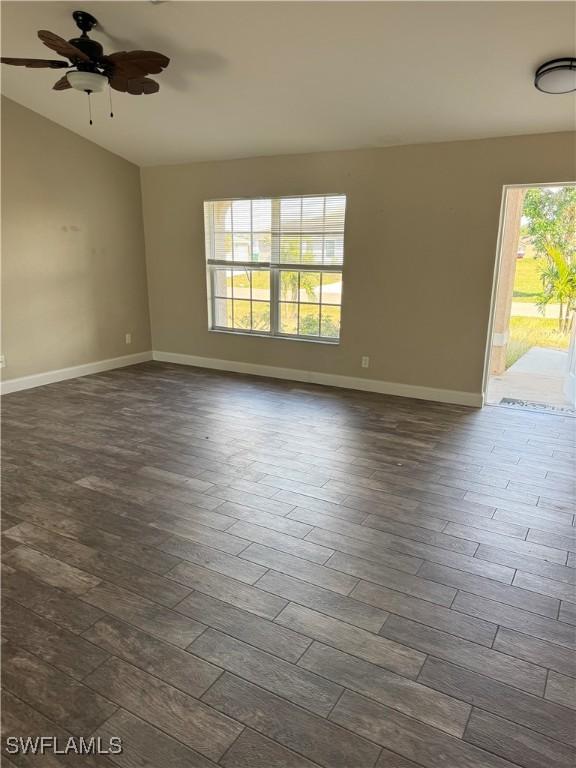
(274, 267)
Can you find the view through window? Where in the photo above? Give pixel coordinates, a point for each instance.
(275, 265)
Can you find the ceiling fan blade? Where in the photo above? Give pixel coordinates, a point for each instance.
(136, 85)
(119, 83)
(35, 63)
(142, 85)
(61, 46)
(132, 64)
(62, 84)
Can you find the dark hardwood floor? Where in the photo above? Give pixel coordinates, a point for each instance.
(224, 570)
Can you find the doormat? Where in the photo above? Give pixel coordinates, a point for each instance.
(512, 402)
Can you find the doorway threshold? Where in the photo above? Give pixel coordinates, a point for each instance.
(530, 405)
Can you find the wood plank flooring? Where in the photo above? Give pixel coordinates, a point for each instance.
(232, 571)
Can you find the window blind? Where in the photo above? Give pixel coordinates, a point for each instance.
(301, 232)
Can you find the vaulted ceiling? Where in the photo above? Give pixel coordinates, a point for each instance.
(262, 78)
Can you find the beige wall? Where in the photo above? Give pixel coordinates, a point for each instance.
(422, 226)
(73, 268)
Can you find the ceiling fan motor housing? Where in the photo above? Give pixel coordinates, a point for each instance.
(91, 48)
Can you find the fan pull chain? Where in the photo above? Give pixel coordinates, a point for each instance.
(110, 96)
(89, 106)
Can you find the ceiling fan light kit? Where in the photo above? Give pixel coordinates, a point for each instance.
(90, 70)
(556, 76)
(87, 81)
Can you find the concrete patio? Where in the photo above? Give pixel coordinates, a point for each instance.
(538, 376)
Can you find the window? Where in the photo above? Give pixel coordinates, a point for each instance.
(275, 266)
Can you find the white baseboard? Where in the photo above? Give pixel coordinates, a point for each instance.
(50, 377)
(328, 379)
(289, 374)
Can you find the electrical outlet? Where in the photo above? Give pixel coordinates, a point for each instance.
(2, 361)
(365, 362)
(128, 338)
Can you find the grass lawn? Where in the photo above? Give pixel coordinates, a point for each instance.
(527, 332)
(262, 279)
(527, 283)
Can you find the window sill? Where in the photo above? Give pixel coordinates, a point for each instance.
(272, 337)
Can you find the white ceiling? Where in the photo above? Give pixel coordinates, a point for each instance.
(261, 78)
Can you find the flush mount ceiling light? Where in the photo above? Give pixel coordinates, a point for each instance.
(556, 76)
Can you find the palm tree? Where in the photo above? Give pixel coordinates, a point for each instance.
(559, 286)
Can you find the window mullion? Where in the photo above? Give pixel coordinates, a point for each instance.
(232, 292)
(274, 301)
(249, 275)
(275, 223)
(320, 306)
(239, 264)
(298, 305)
(295, 267)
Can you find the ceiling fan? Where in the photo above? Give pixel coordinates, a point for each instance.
(90, 70)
